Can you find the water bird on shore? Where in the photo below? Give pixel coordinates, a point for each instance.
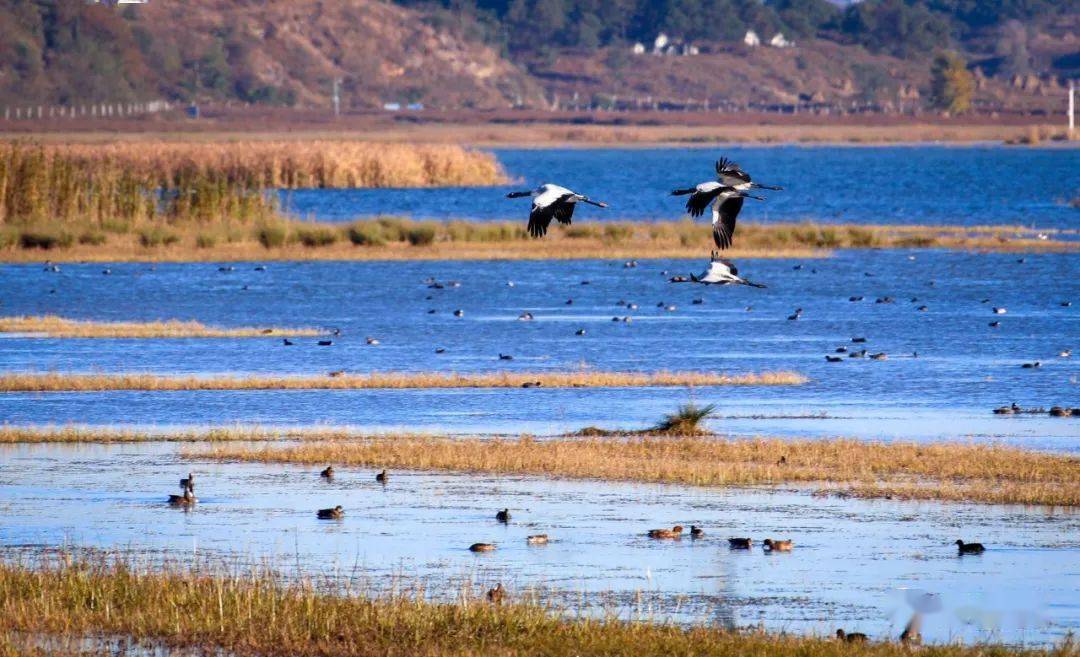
(674, 532)
(841, 350)
(1008, 410)
(911, 633)
(858, 340)
(740, 543)
(1065, 353)
(726, 196)
(777, 546)
(696, 532)
(505, 357)
(1060, 411)
(381, 477)
(537, 539)
(1066, 304)
(532, 384)
(858, 354)
(969, 548)
(496, 594)
(579, 332)
(1031, 366)
(855, 298)
(552, 202)
(525, 316)
(720, 272)
(333, 374)
(287, 342)
(325, 343)
(833, 359)
(459, 313)
(336, 513)
(328, 472)
(372, 341)
(189, 482)
(851, 637)
(482, 547)
(440, 350)
(1000, 311)
(880, 356)
(503, 516)
(795, 315)
(995, 324)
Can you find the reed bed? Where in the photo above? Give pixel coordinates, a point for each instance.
(297, 164)
(59, 382)
(54, 326)
(279, 238)
(252, 611)
(950, 471)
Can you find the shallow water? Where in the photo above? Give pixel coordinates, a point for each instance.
(963, 369)
(856, 564)
(965, 185)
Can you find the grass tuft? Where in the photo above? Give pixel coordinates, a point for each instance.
(686, 421)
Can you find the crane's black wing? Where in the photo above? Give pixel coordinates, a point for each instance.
(724, 216)
(700, 200)
(730, 172)
(541, 215)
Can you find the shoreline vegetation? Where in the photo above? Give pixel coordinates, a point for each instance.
(53, 326)
(277, 238)
(64, 382)
(948, 472)
(222, 609)
(203, 201)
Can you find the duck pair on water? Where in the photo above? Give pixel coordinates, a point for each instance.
(187, 498)
(328, 473)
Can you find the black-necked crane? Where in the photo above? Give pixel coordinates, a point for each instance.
(552, 202)
(722, 272)
(726, 195)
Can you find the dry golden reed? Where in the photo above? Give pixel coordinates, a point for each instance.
(945, 471)
(55, 382)
(61, 327)
(220, 609)
(289, 164)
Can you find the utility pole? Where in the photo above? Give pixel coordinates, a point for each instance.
(337, 96)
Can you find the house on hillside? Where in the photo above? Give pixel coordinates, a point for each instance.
(752, 39)
(780, 41)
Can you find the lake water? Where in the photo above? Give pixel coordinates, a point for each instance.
(856, 564)
(963, 370)
(960, 185)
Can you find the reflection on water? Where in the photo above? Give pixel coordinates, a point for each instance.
(962, 370)
(853, 566)
(875, 185)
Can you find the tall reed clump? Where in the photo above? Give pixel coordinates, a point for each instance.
(51, 191)
(230, 609)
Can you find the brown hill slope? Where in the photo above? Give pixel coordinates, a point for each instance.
(278, 51)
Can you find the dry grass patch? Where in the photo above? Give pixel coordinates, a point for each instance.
(62, 327)
(58, 382)
(260, 613)
(950, 471)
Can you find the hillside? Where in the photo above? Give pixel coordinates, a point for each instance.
(483, 54)
(273, 52)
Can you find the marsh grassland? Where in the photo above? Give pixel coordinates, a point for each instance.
(945, 471)
(54, 382)
(256, 612)
(62, 327)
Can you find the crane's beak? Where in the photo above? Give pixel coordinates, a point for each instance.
(771, 188)
(759, 198)
(599, 204)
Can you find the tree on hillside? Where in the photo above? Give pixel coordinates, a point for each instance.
(951, 84)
